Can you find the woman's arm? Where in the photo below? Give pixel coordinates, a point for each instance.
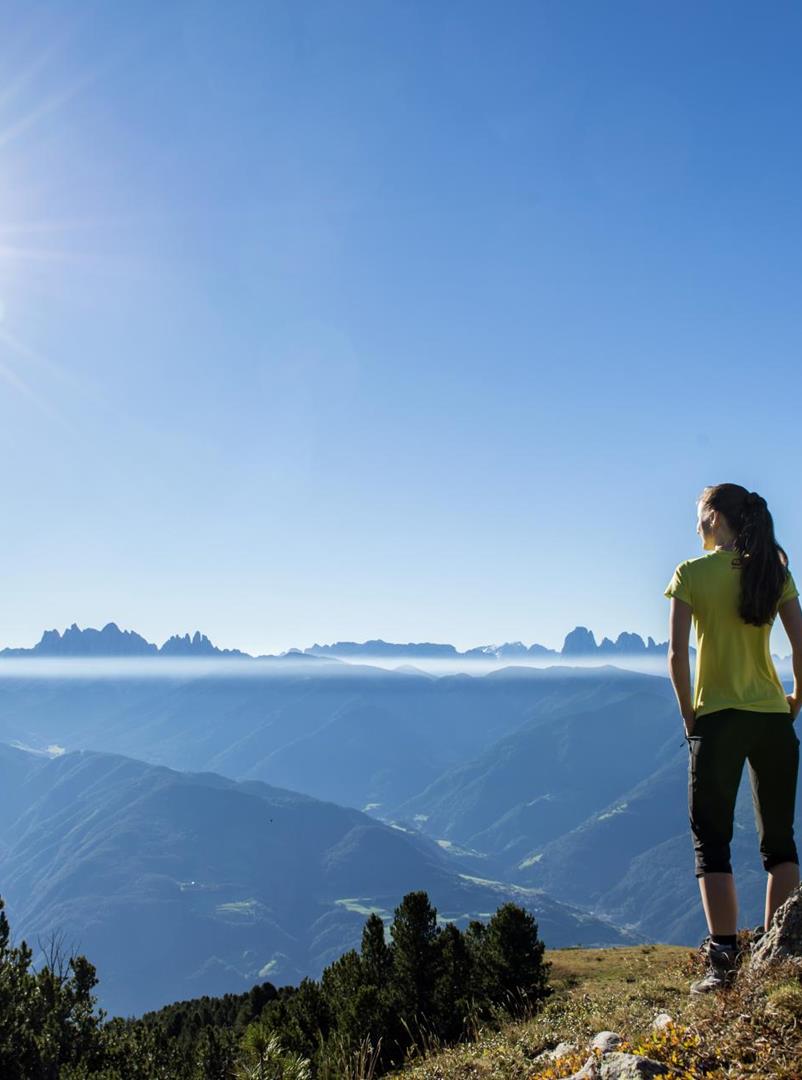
(679, 661)
(791, 615)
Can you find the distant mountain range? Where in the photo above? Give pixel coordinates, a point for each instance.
(178, 884)
(580, 643)
(112, 641)
(568, 782)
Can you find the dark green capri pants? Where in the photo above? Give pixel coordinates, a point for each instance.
(720, 744)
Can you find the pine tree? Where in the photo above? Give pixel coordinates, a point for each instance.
(416, 960)
(453, 986)
(377, 960)
(47, 1017)
(302, 1016)
(513, 959)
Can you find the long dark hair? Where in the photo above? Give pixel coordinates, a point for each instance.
(764, 564)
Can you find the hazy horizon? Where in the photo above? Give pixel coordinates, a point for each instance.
(160, 667)
(777, 638)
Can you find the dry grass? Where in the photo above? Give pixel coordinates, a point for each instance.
(753, 1030)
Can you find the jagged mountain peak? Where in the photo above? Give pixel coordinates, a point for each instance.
(112, 641)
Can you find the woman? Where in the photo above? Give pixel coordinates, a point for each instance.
(739, 709)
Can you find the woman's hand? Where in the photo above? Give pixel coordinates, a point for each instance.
(794, 703)
(689, 720)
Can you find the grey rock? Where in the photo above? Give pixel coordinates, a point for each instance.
(621, 1066)
(606, 1041)
(783, 940)
(662, 1020)
(560, 1050)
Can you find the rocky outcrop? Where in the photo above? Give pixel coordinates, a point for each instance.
(618, 1066)
(783, 939)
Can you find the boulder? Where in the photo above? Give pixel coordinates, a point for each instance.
(619, 1066)
(783, 939)
(560, 1050)
(662, 1020)
(606, 1041)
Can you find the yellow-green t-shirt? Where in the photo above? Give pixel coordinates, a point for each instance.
(734, 668)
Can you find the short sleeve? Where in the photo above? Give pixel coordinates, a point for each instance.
(789, 590)
(679, 586)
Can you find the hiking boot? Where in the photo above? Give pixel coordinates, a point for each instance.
(721, 967)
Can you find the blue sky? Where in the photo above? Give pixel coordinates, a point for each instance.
(411, 320)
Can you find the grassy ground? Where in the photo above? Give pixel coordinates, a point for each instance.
(753, 1030)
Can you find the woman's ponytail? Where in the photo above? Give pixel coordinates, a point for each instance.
(763, 562)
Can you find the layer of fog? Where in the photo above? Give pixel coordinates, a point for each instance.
(205, 667)
(306, 666)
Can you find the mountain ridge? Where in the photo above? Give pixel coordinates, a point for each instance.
(179, 883)
(110, 640)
